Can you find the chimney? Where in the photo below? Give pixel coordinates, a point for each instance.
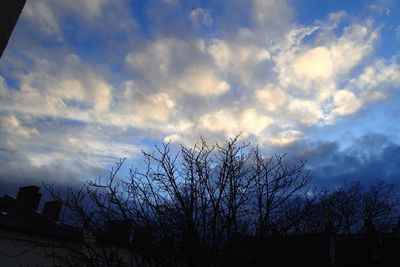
(29, 196)
(52, 209)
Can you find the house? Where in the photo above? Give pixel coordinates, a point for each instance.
(28, 236)
(32, 238)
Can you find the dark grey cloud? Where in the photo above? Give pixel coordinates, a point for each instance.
(370, 157)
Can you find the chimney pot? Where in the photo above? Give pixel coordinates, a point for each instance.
(29, 196)
(52, 209)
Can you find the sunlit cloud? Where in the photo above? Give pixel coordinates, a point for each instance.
(125, 80)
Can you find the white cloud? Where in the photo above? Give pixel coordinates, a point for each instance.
(155, 59)
(164, 59)
(272, 98)
(47, 18)
(70, 89)
(101, 93)
(377, 76)
(252, 122)
(307, 74)
(309, 68)
(201, 17)
(353, 46)
(248, 121)
(13, 126)
(167, 71)
(173, 138)
(375, 82)
(381, 7)
(42, 15)
(315, 63)
(284, 138)
(112, 149)
(3, 86)
(202, 81)
(91, 8)
(274, 15)
(174, 65)
(305, 111)
(45, 91)
(147, 107)
(270, 78)
(346, 103)
(220, 121)
(238, 60)
(45, 10)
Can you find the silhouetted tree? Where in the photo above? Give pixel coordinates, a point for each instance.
(281, 193)
(188, 203)
(380, 205)
(343, 207)
(185, 205)
(350, 206)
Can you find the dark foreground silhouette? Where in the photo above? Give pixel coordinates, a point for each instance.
(219, 205)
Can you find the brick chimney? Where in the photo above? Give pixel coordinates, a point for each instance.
(29, 196)
(52, 209)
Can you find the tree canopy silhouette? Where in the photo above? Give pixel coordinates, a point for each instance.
(186, 204)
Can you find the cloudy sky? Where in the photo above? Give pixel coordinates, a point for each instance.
(85, 82)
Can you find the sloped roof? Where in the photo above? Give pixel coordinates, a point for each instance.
(18, 218)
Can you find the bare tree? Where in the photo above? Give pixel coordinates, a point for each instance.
(350, 207)
(199, 195)
(282, 193)
(380, 205)
(187, 203)
(343, 207)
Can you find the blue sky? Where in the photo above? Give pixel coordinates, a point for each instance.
(85, 82)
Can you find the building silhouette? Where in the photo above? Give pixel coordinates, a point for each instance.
(29, 237)
(10, 10)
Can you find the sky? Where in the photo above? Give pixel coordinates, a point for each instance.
(86, 82)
